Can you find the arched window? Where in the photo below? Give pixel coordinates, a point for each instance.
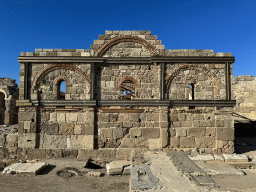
(2, 108)
(128, 90)
(61, 90)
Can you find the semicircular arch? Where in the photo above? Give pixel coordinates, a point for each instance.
(126, 38)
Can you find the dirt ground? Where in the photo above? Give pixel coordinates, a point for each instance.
(48, 180)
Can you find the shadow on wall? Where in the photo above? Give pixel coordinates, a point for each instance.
(244, 127)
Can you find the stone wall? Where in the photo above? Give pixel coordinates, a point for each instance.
(9, 93)
(165, 110)
(245, 110)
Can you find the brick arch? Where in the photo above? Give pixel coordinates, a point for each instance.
(169, 78)
(59, 78)
(128, 78)
(126, 38)
(51, 67)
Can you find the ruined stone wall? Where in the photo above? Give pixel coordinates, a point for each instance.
(207, 129)
(100, 118)
(9, 93)
(245, 110)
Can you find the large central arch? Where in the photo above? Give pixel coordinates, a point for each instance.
(126, 38)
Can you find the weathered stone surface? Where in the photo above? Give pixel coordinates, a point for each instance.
(225, 134)
(116, 167)
(53, 141)
(2, 140)
(87, 129)
(122, 154)
(25, 168)
(196, 132)
(154, 143)
(119, 132)
(109, 154)
(27, 140)
(36, 153)
(61, 117)
(85, 154)
(82, 141)
(51, 129)
(174, 142)
(93, 174)
(181, 132)
(235, 158)
(150, 133)
(66, 128)
(134, 142)
(187, 142)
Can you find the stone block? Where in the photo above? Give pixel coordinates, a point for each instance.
(123, 117)
(182, 117)
(64, 54)
(27, 140)
(2, 140)
(81, 117)
(87, 129)
(35, 153)
(225, 134)
(205, 124)
(210, 131)
(186, 123)
(71, 117)
(187, 142)
(154, 144)
(21, 126)
(103, 117)
(218, 158)
(25, 168)
(93, 174)
(196, 132)
(51, 129)
(89, 117)
(228, 123)
(78, 130)
(218, 123)
(61, 117)
(12, 141)
(53, 141)
(134, 142)
(150, 133)
(53, 153)
(120, 132)
(135, 132)
(235, 158)
(26, 116)
(106, 154)
(116, 167)
(205, 142)
(82, 141)
(174, 142)
(196, 123)
(66, 128)
(176, 124)
(127, 170)
(207, 158)
(219, 144)
(123, 153)
(181, 132)
(163, 117)
(163, 124)
(106, 133)
(134, 117)
(53, 117)
(85, 154)
(174, 117)
(198, 117)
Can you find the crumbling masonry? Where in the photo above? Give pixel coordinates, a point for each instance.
(126, 92)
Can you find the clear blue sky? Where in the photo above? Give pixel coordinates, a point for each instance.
(221, 25)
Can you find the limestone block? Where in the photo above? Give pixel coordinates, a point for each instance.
(106, 133)
(198, 117)
(88, 129)
(64, 54)
(205, 142)
(182, 117)
(123, 153)
(218, 158)
(196, 132)
(78, 130)
(181, 132)
(35, 153)
(12, 140)
(134, 117)
(150, 133)
(174, 117)
(81, 117)
(27, 140)
(225, 134)
(86, 154)
(25, 168)
(127, 170)
(135, 132)
(2, 140)
(93, 174)
(218, 123)
(235, 158)
(205, 124)
(61, 117)
(87, 54)
(53, 141)
(206, 158)
(116, 167)
(174, 142)
(186, 123)
(134, 142)
(53, 117)
(187, 142)
(219, 144)
(210, 131)
(154, 144)
(51, 129)
(27, 125)
(109, 154)
(71, 117)
(176, 124)
(66, 128)
(82, 141)
(54, 153)
(26, 116)
(103, 117)
(89, 117)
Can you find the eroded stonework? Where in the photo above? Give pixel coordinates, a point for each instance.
(126, 92)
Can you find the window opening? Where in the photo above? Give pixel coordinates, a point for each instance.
(128, 90)
(191, 94)
(61, 90)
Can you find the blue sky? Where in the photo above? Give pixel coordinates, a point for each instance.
(221, 25)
